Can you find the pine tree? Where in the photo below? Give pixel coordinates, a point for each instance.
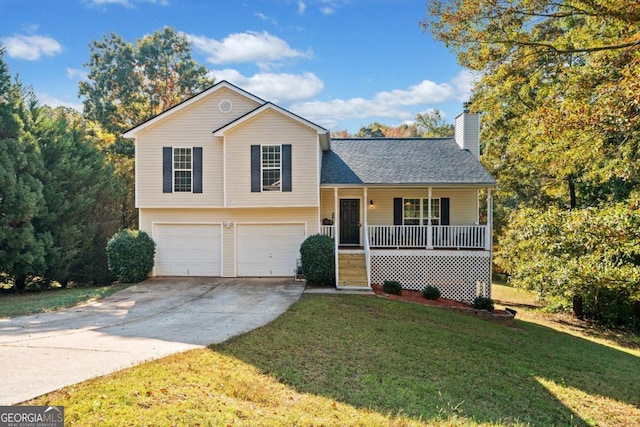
(22, 248)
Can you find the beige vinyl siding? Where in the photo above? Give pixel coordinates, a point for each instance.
(327, 206)
(463, 202)
(191, 127)
(232, 218)
(272, 128)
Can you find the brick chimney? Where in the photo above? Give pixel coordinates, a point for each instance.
(467, 130)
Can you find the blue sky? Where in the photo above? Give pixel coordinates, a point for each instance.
(342, 64)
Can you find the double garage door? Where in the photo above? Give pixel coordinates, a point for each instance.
(196, 250)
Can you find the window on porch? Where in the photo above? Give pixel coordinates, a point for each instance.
(416, 211)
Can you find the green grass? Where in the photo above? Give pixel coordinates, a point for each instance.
(33, 302)
(351, 360)
(507, 295)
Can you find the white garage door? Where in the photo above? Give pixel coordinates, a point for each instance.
(268, 249)
(187, 250)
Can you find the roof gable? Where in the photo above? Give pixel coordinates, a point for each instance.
(324, 140)
(186, 103)
(406, 161)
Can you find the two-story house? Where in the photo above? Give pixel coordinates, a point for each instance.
(230, 185)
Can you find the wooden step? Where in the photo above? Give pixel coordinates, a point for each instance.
(355, 260)
(353, 270)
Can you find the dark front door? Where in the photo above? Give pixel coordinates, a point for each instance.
(349, 221)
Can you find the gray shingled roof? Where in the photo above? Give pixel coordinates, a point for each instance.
(401, 161)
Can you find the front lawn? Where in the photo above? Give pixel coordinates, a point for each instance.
(352, 360)
(32, 302)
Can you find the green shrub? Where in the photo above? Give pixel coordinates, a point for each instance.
(431, 292)
(317, 256)
(392, 287)
(585, 257)
(483, 303)
(130, 254)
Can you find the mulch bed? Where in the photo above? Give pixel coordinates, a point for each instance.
(416, 297)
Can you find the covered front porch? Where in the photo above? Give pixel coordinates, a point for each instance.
(416, 235)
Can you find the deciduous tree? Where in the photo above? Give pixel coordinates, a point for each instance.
(130, 83)
(560, 100)
(432, 125)
(559, 92)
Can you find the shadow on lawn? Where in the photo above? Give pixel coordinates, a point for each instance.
(430, 364)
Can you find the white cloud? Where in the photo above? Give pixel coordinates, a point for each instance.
(425, 92)
(263, 48)
(327, 10)
(296, 92)
(77, 73)
(126, 3)
(329, 7)
(31, 47)
(384, 105)
(464, 83)
(301, 7)
(266, 18)
(46, 99)
(274, 87)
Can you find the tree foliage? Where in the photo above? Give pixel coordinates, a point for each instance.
(54, 192)
(559, 93)
(128, 84)
(560, 100)
(426, 125)
(589, 252)
(432, 125)
(22, 248)
(79, 207)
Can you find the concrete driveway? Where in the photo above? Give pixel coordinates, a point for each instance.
(158, 317)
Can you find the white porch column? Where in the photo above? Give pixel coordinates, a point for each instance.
(429, 226)
(489, 230)
(365, 219)
(336, 230)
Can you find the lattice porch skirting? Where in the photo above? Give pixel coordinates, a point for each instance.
(460, 275)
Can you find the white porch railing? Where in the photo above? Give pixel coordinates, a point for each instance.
(422, 236)
(328, 230)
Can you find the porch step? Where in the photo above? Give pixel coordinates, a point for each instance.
(353, 270)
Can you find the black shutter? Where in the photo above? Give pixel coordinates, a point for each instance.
(255, 169)
(397, 211)
(197, 169)
(167, 169)
(444, 211)
(286, 167)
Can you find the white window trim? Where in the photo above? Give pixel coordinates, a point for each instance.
(263, 168)
(174, 170)
(424, 207)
